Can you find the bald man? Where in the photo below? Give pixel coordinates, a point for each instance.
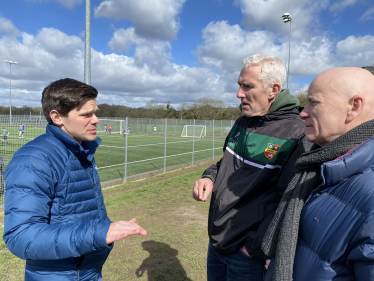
(323, 228)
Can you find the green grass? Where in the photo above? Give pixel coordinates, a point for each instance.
(141, 147)
(176, 244)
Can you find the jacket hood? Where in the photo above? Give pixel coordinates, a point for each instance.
(284, 101)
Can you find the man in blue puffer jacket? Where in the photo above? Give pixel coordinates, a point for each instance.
(323, 228)
(55, 217)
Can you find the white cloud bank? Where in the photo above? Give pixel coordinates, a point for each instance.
(52, 54)
(151, 18)
(149, 73)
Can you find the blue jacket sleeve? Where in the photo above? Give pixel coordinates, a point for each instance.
(361, 255)
(28, 233)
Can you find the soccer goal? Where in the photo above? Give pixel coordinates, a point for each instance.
(200, 131)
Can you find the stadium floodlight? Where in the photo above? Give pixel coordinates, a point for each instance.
(10, 88)
(287, 18)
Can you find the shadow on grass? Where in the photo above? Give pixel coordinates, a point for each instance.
(162, 263)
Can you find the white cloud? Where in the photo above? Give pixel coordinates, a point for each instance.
(66, 3)
(153, 52)
(339, 6)
(268, 13)
(69, 3)
(368, 15)
(225, 46)
(151, 18)
(7, 27)
(357, 51)
(51, 55)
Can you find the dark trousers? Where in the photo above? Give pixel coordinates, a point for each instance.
(234, 267)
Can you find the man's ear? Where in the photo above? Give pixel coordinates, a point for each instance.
(275, 89)
(56, 117)
(356, 106)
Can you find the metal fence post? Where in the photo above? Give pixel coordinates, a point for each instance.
(221, 128)
(193, 141)
(166, 123)
(213, 138)
(127, 120)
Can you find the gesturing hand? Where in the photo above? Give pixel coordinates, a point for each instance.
(121, 229)
(202, 189)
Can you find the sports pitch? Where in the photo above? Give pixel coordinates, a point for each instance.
(145, 152)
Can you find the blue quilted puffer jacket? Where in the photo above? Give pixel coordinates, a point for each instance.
(336, 235)
(55, 216)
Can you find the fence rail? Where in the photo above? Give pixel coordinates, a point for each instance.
(130, 146)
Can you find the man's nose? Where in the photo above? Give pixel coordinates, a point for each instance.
(240, 94)
(304, 114)
(95, 120)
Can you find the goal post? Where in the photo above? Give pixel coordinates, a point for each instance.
(200, 131)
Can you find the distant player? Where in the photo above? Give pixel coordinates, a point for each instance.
(124, 131)
(23, 130)
(20, 131)
(128, 130)
(4, 137)
(110, 129)
(106, 130)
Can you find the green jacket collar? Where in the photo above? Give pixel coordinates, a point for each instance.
(284, 101)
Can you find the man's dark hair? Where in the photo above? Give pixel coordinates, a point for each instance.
(64, 95)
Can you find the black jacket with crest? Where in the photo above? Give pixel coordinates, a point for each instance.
(246, 188)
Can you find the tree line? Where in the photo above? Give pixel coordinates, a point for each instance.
(205, 109)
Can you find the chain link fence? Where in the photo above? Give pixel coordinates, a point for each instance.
(131, 147)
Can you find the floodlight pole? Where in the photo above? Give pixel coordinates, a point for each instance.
(287, 18)
(87, 45)
(10, 89)
(289, 55)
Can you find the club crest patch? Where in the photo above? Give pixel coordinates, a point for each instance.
(271, 150)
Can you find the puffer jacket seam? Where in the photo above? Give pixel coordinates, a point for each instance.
(315, 254)
(348, 204)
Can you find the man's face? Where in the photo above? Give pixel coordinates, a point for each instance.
(325, 113)
(254, 98)
(81, 122)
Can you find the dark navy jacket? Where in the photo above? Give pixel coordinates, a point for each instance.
(55, 216)
(336, 236)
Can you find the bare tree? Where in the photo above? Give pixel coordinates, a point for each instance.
(302, 96)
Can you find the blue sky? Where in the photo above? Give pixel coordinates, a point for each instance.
(175, 50)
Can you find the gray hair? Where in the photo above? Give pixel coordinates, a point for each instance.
(273, 69)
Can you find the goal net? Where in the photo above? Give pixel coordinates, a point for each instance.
(114, 126)
(188, 131)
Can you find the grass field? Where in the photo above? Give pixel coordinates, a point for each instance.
(145, 152)
(176, 244)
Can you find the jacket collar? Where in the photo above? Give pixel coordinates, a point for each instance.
(353, 162)
(86, 150)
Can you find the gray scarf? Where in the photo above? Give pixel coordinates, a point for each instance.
(281, 237)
